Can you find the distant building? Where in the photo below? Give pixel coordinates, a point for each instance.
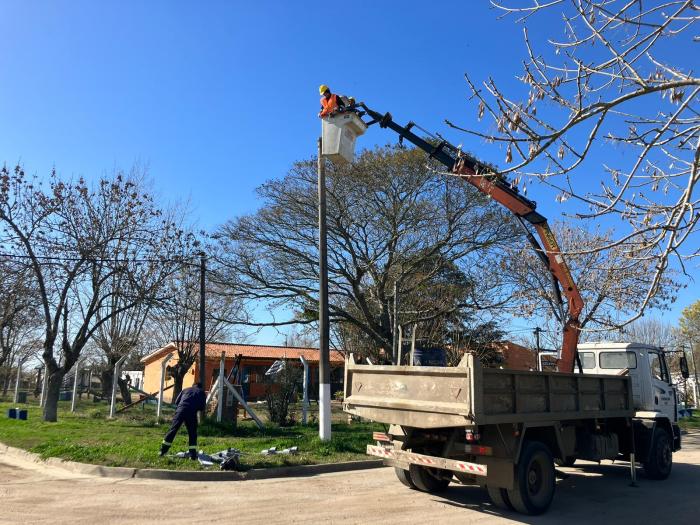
(515, 356)
(255, 361)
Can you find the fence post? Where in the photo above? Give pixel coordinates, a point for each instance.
(42, 399)
(305, 402)
(115, 381)
(163, 369)
(19, 374)
(75, 386)
(220, 404)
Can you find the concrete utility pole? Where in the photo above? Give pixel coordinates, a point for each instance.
(324, 365)
(202, 321)
(537, 331)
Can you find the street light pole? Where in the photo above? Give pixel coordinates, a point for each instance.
(324, 372)
(202, 321)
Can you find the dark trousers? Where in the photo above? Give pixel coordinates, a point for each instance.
(190, 421)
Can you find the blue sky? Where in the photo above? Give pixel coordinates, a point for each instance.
(217, 97)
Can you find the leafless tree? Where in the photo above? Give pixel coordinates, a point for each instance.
(176, 318)
(619, 78)
(395, 228)
(612, 285)
(76, 239)
(18, 319)
(653, 331)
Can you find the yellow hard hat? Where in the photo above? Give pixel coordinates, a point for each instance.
(322, 89)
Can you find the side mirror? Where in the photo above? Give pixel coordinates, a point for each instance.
(683, 362)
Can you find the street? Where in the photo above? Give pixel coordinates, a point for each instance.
(35, 493)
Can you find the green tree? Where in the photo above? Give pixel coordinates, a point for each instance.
(690, 328)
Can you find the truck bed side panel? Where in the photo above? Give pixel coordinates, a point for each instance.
(438, 397)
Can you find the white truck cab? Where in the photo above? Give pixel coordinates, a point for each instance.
(646, 366)
(654, 394)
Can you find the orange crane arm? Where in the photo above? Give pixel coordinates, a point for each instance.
(483, 178)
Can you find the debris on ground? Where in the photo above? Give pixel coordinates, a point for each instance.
(273, 450)
(229, 459)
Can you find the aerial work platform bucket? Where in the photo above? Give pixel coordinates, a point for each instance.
(339, 134)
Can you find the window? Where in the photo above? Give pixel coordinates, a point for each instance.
(614, 360)
(587, 360)
(658, 370)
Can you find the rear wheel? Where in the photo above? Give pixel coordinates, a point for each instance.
(404, 477)
(534, 480)
(660, 457)
(428, 479)
(499, 497)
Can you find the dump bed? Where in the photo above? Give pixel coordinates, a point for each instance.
(470, 394)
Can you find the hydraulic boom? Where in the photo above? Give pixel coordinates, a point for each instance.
(499, 189)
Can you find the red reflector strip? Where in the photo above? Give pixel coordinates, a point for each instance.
(479, 470)
(380, 436)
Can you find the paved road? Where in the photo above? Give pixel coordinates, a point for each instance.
(33, 493)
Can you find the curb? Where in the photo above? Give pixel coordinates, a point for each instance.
(191, 475)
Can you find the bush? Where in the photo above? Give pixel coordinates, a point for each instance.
(280, 391)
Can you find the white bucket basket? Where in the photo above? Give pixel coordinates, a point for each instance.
(339, 134)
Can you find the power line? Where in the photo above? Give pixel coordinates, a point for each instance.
(182, 260)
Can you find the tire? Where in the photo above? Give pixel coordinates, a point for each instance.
(404, 477)
(500, 498)
(427, 480)
(568, 461)
(660, 461)
(534, 480)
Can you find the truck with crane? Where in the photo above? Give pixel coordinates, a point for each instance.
(506, 429)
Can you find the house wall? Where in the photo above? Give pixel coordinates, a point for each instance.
(253, 368)
(518, 357)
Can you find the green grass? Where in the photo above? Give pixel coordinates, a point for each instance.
(690, 422)
(133, 439)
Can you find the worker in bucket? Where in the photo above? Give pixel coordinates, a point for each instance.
(330, 102)
(189, 402)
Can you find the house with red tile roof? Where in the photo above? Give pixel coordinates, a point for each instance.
(255, 360)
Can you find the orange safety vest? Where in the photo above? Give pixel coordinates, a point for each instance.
(329, 105)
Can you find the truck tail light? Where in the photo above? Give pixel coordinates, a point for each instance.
(472, 436)
(478, 450)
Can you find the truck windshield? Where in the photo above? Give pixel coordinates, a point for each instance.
(614, 360)
(587, 360)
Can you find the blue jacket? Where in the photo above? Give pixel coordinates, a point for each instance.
(190, 401)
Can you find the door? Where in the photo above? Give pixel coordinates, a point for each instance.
(663, 394)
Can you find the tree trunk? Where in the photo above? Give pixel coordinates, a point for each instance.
(106, 382)
(6, 382)
(124, 389)
(177, 382)
(53, 390)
